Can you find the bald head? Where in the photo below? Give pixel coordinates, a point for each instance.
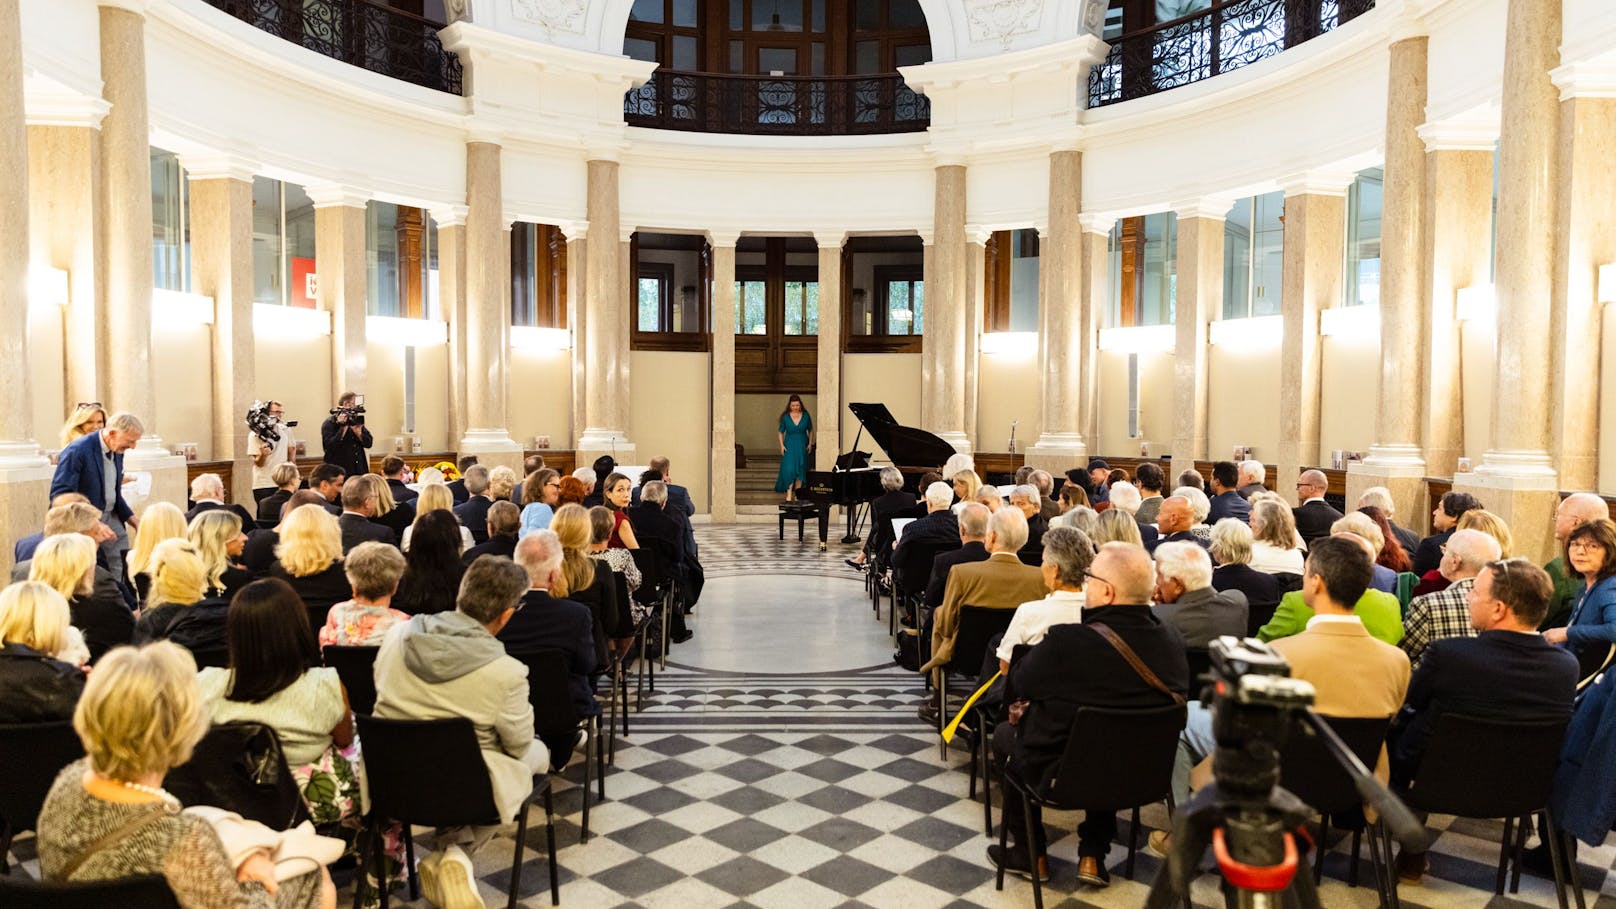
(1175, 515)
(1125, 573)
(1578, 509)
(1311, 484)
(1466, 553)
(539, 553)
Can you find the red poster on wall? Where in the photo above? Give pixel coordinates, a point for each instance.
(305, 289)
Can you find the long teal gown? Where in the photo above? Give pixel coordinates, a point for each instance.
(794, 463)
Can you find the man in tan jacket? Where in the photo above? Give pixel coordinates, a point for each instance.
(1001, 582)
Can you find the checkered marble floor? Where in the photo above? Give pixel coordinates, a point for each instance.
(798, 787)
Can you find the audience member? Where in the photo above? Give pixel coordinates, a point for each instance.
(539, 494)
(396, 473)
(1025, 498)
(1253, 479)
(1574, 511)
(86, 419)
(80, 519)
(1590, 550)
(207, 494)
(309, 557)
(652, 521)
(893, 502)
(1117, 526)
(679, 507)
(1364, 526)
(373, 571)
(457, 487)
(502, 485)
(1275, 547)
(1232, 551)
(450, 664)
(973, 531)
(589, 581)
(1490, 524)
(630, 610)
(504, 523)
(965, 484)
(988, 497)
(285, 479)
(586, 476)
(36, 686)
(531, 463)
(258, 555)
(614, 492)
(1227, 502)
(1313, 515)
(432, 567)
(1191, 478)
(547, 620)
(1066, 558)
(327, 480)
(957, 462)
(219, 541)
(1444, 521)
(141, 715)
(604, 467)
(99, 619)
(1151, 482)
(23, 549)
(1072, 496)
(83, 467)
(436, 497)
(1048, 508)
(179, 581)
(1000, 581)
(1379, 611)
(1446, 613)
(1078, 665)
(358, 507)
(1125, 498)
(1381, 497)
(473, 513)
(1186, 599)
(938, 526)
(1175, 520)
(1200, 507)
(1392, 556)
(393, 515)
(1079, 517)
(1099, 474)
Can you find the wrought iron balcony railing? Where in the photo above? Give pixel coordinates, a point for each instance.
(361, 32)
(777, 105)
(1221, 39)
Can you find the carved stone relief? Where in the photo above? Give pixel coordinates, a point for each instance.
(553, 15)
(1002, 20)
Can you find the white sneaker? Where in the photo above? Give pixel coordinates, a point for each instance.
(456, 881)
(427, 871)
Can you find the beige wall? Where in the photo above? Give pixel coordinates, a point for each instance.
(1155, 402)
(1243, 405)
(384, 397)
(1607, 408)
(1478, 349)
(1007, 389)
(182, 377)
(757, 418)
(541, 397)
(890, 379)
(1350, 368)
(296, 372)
(670, 414)
(45, 355)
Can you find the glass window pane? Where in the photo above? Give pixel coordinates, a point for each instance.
(1237, 261)
(868, 15)
(684, 53)
(917, 292)
(819, 16)
(300, 264)
(1363, 239)
(817, 63)
(642, 49)
(866, 58)
(646, 11)
(381, 260)
(1159, 288)
(170, 233)
(777, 59)
(267, 241)
(749, 310)
(912, 54)
(684, 13)
(777, 15)
(1024, 280)
(650, 305)
(737, 15)
(811, 308)
(429, 271)
(1268, 254)
(905, 14)
(794, 298)
(737, 63)
(900, 312)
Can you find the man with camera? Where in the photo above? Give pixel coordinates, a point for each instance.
(345, 437)
(269, 445)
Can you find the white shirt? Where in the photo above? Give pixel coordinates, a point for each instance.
(1324, 619)
(1267, 557)
(277, 456)
(1033, 620)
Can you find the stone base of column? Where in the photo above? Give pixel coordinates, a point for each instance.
(1058, 452)
(722, 494)
(1522, 488)
(167, 470)
(493, 448)
(1399, 468)
(25, 478)
(956, 438)
(597, 442)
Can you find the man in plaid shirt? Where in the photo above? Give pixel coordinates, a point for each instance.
(1446, 613)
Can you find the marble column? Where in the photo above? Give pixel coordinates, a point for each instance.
(1200, 300)
(64, 182)
(451, 249)
(1096, 308)
(339, 262)
(723, 321)
(221, 207)
(1061, 349)
(125, 321)
(24, 473)
(976, 239)
(1395, 460)
(1587, 239)
(606, 325)
(945, 310)
(1457, 254)
(488, 312)
(828, 398)
(1314, 243)
(1517, 479)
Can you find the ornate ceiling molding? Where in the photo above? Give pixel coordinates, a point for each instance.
(1002, 20)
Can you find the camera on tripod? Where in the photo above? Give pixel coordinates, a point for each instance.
(1255, 702)
(353, 414)
(265, 425)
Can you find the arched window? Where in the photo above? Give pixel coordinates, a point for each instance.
(808, 38)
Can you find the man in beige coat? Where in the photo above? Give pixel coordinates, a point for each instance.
(1001, 582)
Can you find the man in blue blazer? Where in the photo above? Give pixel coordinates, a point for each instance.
(93, 467)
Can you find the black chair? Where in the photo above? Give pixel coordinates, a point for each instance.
(144, 892)
(1310, 771)
(911, 572)
(356, 667)
(1114, 759)
(458, 792)
(978, 625)
(32, 755)
(1462, 773)
(549, 690)
(1200, 662)
(240, 767)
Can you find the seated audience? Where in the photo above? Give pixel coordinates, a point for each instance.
(1190, 478)
(83, 520)
(1444, 521)
(502, 484)
(587, 479)
(1379, 611)
(652, 520)
(504, 522)
(140, 716)
(1574, 511)
(965, 484)
(1176, 521)
(988, 497)
(286, 478)
(1276, 548)
(1066, 558)
(396, 473)
(615, 491)
(396, 516)
(457, 487)
(1590, 550)
(1071, 496)
(1200, 507)
(973, 531)
(473, 513)
(23, 549)
(938, 526)
(36, 686)
(327, 480)
(590, 581)
(359, 506)
(99, 619)
(1149, 480)
(1025, 498)
(436, 497)
(1075, 666)
(450, 664)
(1392, 556)
(258, 553)
(1227, 502)
(1048, 508)
(1446, 613)
(207, 494)
(547, 620)
(893, 502)
(1186, 599)
(1314, 515)
(957, 462)
(530, 464)
(373, 571)
(1253, 479)
(179, 581)
(1079, 517)
(1231, 550)
(1115, 525)
(1125, 498)
(630, 612)
(540, 492)
(1362, 525)
(219, 541)
(432, 567)
(1492, 525)
(1380, 497)
(309, 557)
(1001, 581)
(571, 492)
(1099, 482)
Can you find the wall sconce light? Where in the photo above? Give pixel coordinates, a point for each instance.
(1476, 303)
(290, 322)
(406, 332)
(47, 286)
(175, 307)
(1135, 339)
(540, 340)
(1359, 323)
(1254, 333)
(1607, 283)
(1010, 343)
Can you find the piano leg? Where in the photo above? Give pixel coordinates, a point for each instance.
(824, 524)
(852, 525)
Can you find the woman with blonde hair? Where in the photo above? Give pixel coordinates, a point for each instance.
(390, 513)
(141, 715)
(966, 483)
(99, 618)
(35, 686)
(501, 484)
(218, 539)
(1490, 524)
(179, 582)
(588, 582)
(1117, 526)
(86, 418)
(309, 557)
(435, 497)
(1275, 548)
(159, 521)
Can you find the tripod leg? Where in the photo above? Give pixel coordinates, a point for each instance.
(1376, 866)
(1507, 841)
(1552, 834)
(1324, 837)
(1357, 854)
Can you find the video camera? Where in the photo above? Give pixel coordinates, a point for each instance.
(353, 414)
(1255, 703)
(263, 424)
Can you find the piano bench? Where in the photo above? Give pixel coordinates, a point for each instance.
(800, 512)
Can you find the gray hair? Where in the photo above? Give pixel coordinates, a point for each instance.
(490, 586)
(587, 475)
(1125, 495)
(1071, 552)
(127, 424)
(1044, 482)
(1378, 496)
(973, 520)
(539, 554)
(1186, 563)
(476, 479)
(1231, 542)
(1200, 505)
(373, 569)
(1117, 526)
(285, 474)
(1276, 523)
(987, 494)
(654, 491)
(207, 486)
(939, 495)
(1009, 528)
(1474, 550)
(1080, 517)
(1029, 492)
(891, 479)
(356, 491)
(1255, 470)
(1360, 524)
(957, 462)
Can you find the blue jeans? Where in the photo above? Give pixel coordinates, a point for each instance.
(1195, 744)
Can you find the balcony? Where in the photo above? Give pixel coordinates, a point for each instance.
(777, 105)
(1222, 39)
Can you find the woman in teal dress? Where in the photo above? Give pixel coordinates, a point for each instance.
(796, 434)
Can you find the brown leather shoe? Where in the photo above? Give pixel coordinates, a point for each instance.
(1091, 871)
(1411, 866)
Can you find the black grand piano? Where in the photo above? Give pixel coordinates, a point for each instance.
(854, 483)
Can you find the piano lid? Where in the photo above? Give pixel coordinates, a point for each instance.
(905, 445)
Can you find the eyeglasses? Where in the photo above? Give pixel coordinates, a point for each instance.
(555, 483)
(1094, 577)
(83, 404)
(1585, 543)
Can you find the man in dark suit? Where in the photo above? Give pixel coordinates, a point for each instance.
(80, 518)
(1252, 477)
(973, 532)
(1174, 519)
(1026, 499)
(1186, 599)
(1226, 499)
(1314, 516)
(393, 472)
(938, 525)
(894, 502)
(93, 467)
(473, 513)
(458, 487)
(679, 507)
(652, 520)
(504, 523)
(327, 480)
(1076, 667)
(1444, 520)
(544, 622)
(358, 505)
(345, 437)
(207, 494)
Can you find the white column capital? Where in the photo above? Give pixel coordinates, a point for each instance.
(1406, 24)
(978, 234)
(138, 7)
(830, 238)
(928, 237)
(1097, 223)
(1041, 228)
(941, 158)
(1212, 208)
(218, 167)
(1319, 182)
(605, 152)
(66, 108)
(723, 237)
(1585, 80)
(335, 195)
(1469, 134)
(625, 234)
(448, 215)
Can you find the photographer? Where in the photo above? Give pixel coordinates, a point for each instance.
(269, 445)
(345, 437)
